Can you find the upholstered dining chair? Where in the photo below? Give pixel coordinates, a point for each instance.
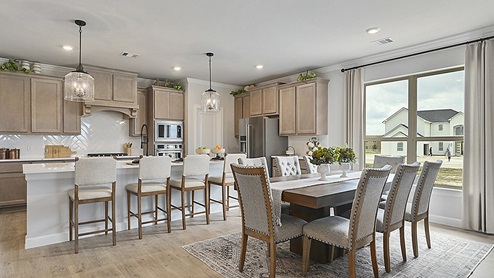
(258, 217)
(393, 160)
(194, 177)
(154, 180)
(311, 168)
(226, 180)
(286, 166)
(356, 232)
(392, 217)
(418, 209)
(95, 181)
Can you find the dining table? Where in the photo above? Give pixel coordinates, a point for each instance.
(311, 198)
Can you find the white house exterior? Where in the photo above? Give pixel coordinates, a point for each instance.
(430, 123)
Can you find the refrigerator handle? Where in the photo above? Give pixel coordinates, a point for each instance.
(247, 139)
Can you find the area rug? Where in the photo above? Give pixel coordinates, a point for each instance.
(449, 257)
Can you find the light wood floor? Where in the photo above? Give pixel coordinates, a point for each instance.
(158, 254)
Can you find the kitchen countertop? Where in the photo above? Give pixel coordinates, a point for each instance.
(49, 160)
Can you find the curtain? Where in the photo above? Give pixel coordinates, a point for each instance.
(354, 113)
(478, 169)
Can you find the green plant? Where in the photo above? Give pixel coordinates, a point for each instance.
(324, 156)
(307, 76)
(176, 86)
(238, 92)
(346, 154)
(14, 66)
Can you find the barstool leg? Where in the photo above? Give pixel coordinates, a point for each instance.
(156, 210)
(139, 214)
(76, 228)
(206, 202)
(168, 210)
(128, 210)
(113, 218)
(183, 209)
(106, 217)
(192, 204)
(71, 218)
(223, 201)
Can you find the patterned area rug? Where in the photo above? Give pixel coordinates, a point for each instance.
(449, 257)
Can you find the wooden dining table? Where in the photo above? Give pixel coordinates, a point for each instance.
(315, 200)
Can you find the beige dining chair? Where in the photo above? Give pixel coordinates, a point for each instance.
(226, 181)
(393, 160)
(194, 177)
(286, 166)
(258, 217)
(392, 217)
(311, 168)
(95, 181)
(418, 209)
(153, 180)
(356, 232)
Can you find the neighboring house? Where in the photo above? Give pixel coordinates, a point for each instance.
(430, 123)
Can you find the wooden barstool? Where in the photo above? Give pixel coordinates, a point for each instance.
(154, 180)
(92, 177)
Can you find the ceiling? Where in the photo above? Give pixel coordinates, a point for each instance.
(286, 36)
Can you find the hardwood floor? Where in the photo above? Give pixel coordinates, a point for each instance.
(158, 254)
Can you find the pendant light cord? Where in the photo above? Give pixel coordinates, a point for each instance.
(210, 74)
(80, 46)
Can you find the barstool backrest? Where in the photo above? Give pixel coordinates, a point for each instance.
(196, 165)
(95, 170)
(232, 158)
(155, 167)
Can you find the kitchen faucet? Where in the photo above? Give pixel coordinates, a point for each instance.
(145, 140)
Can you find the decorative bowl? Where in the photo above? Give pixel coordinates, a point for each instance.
(218, 151)
(203, 151)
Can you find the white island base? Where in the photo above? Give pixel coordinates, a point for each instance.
(48, 203)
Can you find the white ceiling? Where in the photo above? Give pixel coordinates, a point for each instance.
(286, 36)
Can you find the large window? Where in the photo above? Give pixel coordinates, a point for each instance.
(420, 117)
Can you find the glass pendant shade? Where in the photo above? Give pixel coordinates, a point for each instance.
(79, 86)
(210, 101)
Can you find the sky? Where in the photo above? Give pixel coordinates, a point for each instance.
(444, 91)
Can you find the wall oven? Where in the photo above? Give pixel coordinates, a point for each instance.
(169, 131)
(173, 150)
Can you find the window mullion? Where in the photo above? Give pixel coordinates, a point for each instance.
(412, 120)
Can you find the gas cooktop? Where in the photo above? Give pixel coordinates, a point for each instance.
(105, 154)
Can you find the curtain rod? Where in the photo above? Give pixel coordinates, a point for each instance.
(418, 53)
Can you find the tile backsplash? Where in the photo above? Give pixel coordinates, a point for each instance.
(100, 132)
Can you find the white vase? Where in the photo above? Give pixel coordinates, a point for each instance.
(344, 167)
(323, 169)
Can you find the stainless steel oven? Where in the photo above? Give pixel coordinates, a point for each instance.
(169, 131)
(173, 150)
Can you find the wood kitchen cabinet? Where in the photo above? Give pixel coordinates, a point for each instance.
(264, 100)
(166, 103)
(15, 103)
(303, 108)
(46, 105)
(141, 117)
(12, 184)
(72, 117)
(242, 110)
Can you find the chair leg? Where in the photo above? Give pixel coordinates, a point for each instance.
(414, 239)
(128, 210)
(192, 203)
(168, 210)
(139, 214)
(272, 261)
(227, 198)
(223, 201)
(71, 218)
(114, 218)
(76, 228)
(375, 268)
(242, 252)
(106, 218)
(332, 253)
(386, 251)
(402, 243)
(427, 234)
(183, 209)
(206, 202)
(156, 209)
(306, 242)
(351, 263)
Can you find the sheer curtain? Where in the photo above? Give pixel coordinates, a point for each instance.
(478, 169)
(354, 111)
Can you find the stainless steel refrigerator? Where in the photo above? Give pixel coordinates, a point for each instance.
(259, 136)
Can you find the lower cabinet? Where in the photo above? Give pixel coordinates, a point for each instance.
(12, 185)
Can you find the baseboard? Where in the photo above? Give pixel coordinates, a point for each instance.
(445, 220)
(46, 240)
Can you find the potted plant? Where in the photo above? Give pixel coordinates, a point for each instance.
(346, 155)
(323, 157)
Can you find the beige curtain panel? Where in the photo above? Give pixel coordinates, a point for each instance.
(354, 109)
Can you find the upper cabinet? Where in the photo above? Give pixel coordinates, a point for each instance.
(46, 105)
(141, 117)
(242, 109)
(264, 100)
(166, 103)
(113, 90)
(15, 103)
(304, 108)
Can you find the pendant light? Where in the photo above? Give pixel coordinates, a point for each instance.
(79, 85)
(210, 100)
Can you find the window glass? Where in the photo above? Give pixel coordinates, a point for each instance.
(440, 127)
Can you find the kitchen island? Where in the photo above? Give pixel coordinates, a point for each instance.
(48, 205)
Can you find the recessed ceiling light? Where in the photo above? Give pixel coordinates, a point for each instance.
(177, 68)
(373, 30)
(67, 47)
(259, 66)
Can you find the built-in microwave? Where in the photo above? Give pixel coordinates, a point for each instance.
(168, 131)
(174, 151)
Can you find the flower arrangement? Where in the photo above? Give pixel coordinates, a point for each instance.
(324, 155)
(312, 145)
(307, 76)
(346, 154)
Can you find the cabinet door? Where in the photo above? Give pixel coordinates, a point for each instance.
(12, 189)
(46, 105)
(102, 84)
(306, 109)
(287, 111)
(255, 102)
(270, 100)
(176, 106)
(15, 103)
(246, 107)
(141, 117)
(161, 100)
(71, 117)
(124, 88)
